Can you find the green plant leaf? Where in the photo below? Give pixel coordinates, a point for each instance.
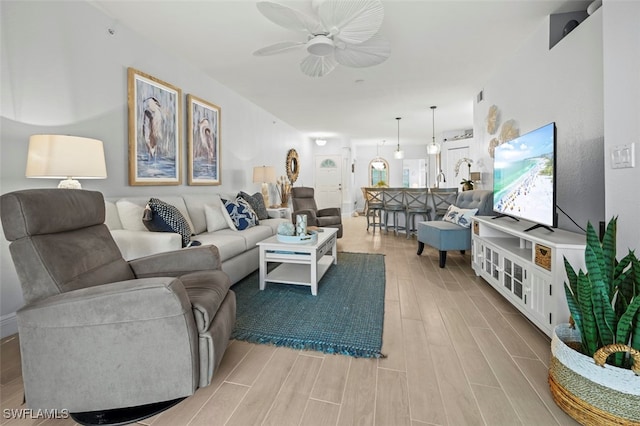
(574, 308)
(635, 336)
(593, 242)
(571, 276)
(609, 254)
(626, 322)
(605, 316)
(589, 330)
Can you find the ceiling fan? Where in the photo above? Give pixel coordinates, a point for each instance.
(341, 32)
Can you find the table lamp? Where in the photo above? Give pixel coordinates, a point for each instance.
(264, 175)
(67, 158)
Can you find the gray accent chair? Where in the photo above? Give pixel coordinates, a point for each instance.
(304, 203)
(445, 236)
(98, 332)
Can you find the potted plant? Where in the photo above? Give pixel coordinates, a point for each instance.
(467, 184)
(604, 303)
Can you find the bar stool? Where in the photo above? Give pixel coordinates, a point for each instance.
(373, 207)
(442, 199)
(416, 203)
(392, 202)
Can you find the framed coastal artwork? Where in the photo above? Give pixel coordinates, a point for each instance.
(155, 135)
(203, 142)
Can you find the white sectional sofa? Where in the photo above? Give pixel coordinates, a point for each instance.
(238, 250)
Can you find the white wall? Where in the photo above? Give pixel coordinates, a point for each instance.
(62, 72)
(621, 32)
(537, 86)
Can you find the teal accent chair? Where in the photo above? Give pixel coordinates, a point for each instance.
(445, 236)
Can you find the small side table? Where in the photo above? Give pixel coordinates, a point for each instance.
(280, 212)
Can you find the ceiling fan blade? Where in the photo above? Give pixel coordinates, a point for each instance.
(317, 66)
(352, 21)
(371, 52)
(277, 48)
(289, 18)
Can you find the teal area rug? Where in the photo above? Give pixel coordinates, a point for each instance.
(346, 317)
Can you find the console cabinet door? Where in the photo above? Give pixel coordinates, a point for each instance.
(514, 281)
(538, 288)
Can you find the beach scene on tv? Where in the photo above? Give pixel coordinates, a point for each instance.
(523, 176)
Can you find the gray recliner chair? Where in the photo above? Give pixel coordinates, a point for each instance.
(304, 203)
(99, 334)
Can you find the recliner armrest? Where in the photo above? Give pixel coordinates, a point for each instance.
(330, 211)
(123, 301)
(118, 336)
(178, 262)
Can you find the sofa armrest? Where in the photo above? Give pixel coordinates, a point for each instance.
(135, 244)
(80, 346)
(312, 219)
(178, 262)
(330, 211)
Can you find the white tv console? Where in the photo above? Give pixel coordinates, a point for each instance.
(527, 268)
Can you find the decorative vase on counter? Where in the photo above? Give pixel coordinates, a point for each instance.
(301, 224)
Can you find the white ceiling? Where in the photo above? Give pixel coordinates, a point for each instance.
(442, 51)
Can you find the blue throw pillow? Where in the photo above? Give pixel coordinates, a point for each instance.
(241, 213)
(162, 217)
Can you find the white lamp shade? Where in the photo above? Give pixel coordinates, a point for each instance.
(398, 155)
(321, 142)
(433, 149)
(62, 156)
(264, 174)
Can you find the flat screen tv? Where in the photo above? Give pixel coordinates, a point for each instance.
(524, 184)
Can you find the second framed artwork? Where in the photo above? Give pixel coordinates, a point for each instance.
(203, 140)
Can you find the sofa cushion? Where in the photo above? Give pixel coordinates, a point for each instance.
(163, 217)
(251, 236)
(130, 214)
(229, 243)
(195, 205)
(112, 219)
(459, 216)
(256, 201)
(216, 220)
(240, 213)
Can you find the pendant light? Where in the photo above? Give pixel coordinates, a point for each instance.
(398, 155)
(434, 148)
(378, 162)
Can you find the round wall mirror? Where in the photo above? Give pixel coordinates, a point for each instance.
(293, 165)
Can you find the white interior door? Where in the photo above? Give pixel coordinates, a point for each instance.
(328, 188)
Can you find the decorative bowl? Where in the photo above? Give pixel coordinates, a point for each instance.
(310, 238)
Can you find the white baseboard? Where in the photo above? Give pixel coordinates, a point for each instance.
(8, 325)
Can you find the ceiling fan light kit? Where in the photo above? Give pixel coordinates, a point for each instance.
(341, 32)
(320, 45)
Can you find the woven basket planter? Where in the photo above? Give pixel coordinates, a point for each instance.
(591, 394)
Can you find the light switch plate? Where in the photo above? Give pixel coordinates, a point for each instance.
(623, 156)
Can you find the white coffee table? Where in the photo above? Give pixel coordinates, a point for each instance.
(301, 264)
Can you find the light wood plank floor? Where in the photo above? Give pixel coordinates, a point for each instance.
(457, 354)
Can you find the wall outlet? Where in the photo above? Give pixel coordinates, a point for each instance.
(623, 156)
